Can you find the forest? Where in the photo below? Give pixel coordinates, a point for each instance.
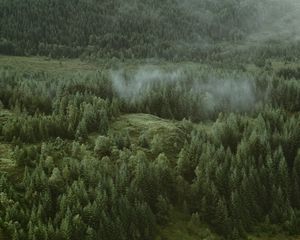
(149, 120)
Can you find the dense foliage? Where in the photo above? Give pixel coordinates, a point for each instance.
(240, 172)
(113, 154)
(133, 29)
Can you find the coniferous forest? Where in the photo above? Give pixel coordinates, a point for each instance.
(149, 120)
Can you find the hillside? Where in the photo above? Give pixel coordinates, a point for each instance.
(132, 131)
(114, 28)
(174, 30)
(149, 120)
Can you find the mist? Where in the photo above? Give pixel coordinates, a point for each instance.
(233, 94)
(212, 91)
(263, 20)
(132, 86)
(279, 20)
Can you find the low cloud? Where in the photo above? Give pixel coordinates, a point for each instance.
(218, 93)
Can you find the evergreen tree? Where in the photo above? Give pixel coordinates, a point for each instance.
(81, 131)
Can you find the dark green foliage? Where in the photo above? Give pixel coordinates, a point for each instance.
(238, 189)
(95, 202)
(117, 29)
(85, 179)
(102, 145)
(26, 156)
(289, 73)
(49, 110)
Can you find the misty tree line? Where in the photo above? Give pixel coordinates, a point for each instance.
(135, 29)
(71, 107)
(201, 94)
(242, 171)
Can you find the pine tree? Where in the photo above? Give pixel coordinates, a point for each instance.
(146, 180)
(221, 222)
(103, 124)
(162, 210)
(115, 109)
(102, 145)
(56, 180)
(73, 116)
(90, 234)
(65, 228)
(296, 182)
(81, 131)
(166, 177)
(144, 140)
(15, 235)
(186, 164)
(156, 145)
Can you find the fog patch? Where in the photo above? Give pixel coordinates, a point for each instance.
(132, 86)
(228, 94)
(279, 20)
(217, 93)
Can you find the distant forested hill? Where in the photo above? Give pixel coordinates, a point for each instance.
(133, 28)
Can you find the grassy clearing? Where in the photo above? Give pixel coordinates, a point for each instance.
(43, 64)
(182, 228)
(170, 135)
(137, 123)
(276, 65)
(61, 66)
